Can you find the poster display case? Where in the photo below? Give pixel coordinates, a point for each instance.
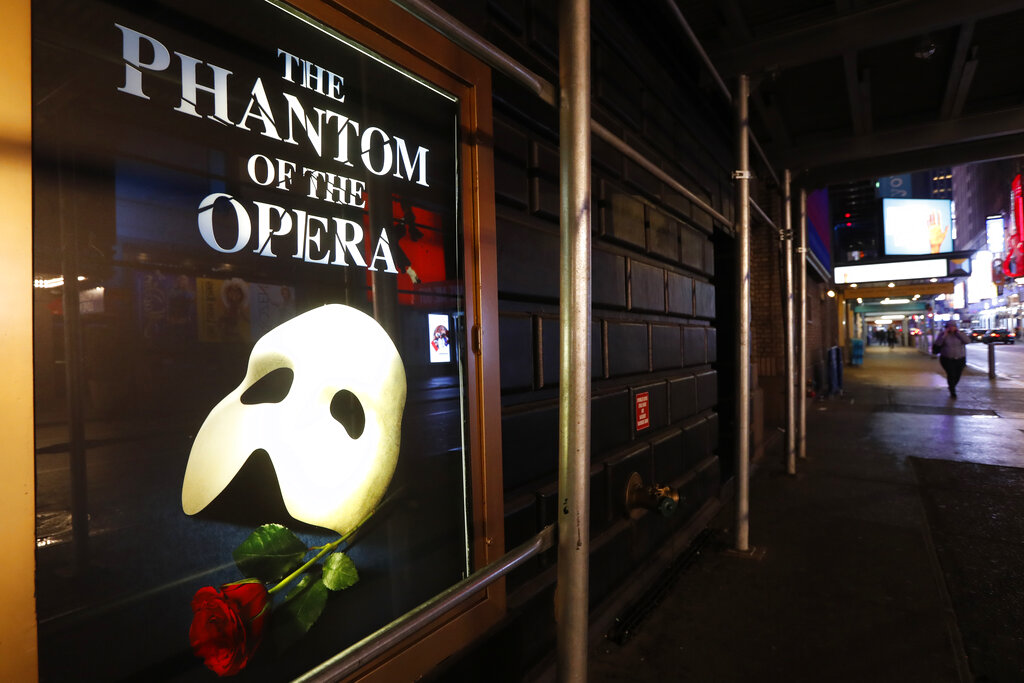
(263, 276)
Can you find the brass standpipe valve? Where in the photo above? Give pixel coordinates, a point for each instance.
(664, 499)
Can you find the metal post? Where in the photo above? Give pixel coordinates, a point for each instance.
(801, 328)
(572, 591)
(742, 176)
(991, 360)
(790, 326)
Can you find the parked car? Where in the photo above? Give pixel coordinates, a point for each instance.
(977, 334)
(999, 337)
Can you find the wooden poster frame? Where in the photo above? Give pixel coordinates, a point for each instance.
(403, 40)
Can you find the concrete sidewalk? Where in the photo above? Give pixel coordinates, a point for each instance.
(895, 554)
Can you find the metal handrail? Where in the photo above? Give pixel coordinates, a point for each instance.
(351, 659)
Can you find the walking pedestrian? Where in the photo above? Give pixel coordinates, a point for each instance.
(951, 345)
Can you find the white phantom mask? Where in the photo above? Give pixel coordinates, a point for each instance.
(327, 478)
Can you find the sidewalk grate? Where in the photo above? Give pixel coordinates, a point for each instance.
(934, 410)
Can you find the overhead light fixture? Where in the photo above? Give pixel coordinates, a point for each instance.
(892, 284)
(831, 293)
(887, 301)
(860, 300)
(934, 279)
(854, 285)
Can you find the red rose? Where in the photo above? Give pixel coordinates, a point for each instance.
(227, 625)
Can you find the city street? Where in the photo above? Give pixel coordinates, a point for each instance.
(1009, 360)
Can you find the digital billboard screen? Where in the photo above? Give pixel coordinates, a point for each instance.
(912, 227)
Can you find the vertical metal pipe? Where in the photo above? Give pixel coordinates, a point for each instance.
(801, 328)
(742, 176)
(572, 593)
(790, 326)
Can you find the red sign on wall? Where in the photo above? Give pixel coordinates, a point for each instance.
(1017, 200)
(643, 411)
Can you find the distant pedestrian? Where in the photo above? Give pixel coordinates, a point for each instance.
(951, 345)
(891, 336)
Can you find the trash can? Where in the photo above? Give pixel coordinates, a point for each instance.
(857, 352)
(835, 371)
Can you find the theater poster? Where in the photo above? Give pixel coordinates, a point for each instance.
(247, 224)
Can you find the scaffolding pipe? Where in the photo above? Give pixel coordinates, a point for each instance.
(355, 657)
(802, 330)
(765, 217)
(572, 589)
(462, 36)
(695, 42)
(742, 176)
(448, 26)
(787, 246)
(649, 166)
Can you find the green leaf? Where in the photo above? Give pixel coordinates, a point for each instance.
(269, 553)
(299, 587)
(339, 572)
(299, 612)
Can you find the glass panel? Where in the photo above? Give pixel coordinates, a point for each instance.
(246, 230)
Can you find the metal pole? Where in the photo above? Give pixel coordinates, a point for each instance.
(790, 326)
(572, 590)
(991, 360)
(742, 176)
(801, 328)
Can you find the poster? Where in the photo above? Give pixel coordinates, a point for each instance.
(269, 208)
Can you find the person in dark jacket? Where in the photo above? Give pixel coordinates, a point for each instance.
(951, 345)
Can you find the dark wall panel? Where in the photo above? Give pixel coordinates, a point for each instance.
(529, 445)
(695, 345)
(680, 294)
(647, 287)
(683, 398)
(624, 219)
(666, 348)
(627, 349)
(608, 282)
(704, 299)
(663, 233)
(527, 261)
(516, 342)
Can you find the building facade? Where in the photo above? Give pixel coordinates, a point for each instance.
(114, 381)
